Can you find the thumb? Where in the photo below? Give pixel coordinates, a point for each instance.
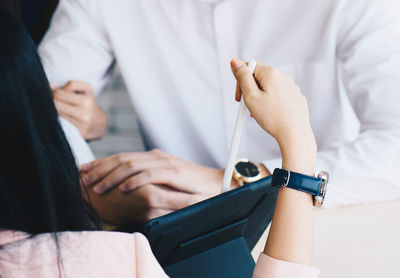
(244, 77)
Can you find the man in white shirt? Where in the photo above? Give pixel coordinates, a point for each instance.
(174, 57)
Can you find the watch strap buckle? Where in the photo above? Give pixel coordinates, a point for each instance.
(286, 178)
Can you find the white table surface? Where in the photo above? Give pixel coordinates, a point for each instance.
(356, 241)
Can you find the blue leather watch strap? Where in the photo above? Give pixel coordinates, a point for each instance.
(308, 184)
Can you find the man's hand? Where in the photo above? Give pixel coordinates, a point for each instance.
(150, 184)
(130, 210)
(77, 103)
(131, 171)
(131, 187)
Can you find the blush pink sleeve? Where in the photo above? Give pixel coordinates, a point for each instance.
(268, 267)
(84, 254)
(146, 263)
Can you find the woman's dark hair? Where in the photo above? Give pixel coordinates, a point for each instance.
(39, 180)
(12, 6)
(35, 15)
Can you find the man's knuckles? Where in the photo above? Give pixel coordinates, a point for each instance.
(149, 196)
(120, 158)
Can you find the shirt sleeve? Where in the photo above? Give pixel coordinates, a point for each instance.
(268, 267)
(146, 263)
(81, 150)
(365, 170)
(76, 47)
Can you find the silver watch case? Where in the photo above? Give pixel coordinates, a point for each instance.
(319, 200)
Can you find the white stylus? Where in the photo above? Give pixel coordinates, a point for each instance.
(237, 133)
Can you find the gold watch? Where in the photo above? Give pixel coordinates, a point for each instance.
(246, 171)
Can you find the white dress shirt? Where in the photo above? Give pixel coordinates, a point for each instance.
(174, 57)
(81, 150)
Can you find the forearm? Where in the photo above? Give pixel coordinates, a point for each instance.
(291, 234)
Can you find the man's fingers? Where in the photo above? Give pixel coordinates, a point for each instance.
(95, 163)
(244, 77)
(120, 158)
(126, 170)
(162, 197)
(134, 162)
(115, 177)
(66, 111)
(155, 213)
(101, 168)
(79, 87)
(67, 97)
(165, 176)
(175, 200)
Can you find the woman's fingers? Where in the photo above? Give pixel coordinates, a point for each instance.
(238, 93)
(244, 77)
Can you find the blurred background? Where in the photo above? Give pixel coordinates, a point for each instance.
(122, 133)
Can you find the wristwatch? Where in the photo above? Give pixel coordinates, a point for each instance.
(246, 171)
(316, 186)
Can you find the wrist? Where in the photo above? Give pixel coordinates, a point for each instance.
(246, 171)
(99, 126)
(234, 183)
(264, 170)
(305, 182)
(299, 153)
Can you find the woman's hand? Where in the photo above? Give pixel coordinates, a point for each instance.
(280, 108)
(273, 99)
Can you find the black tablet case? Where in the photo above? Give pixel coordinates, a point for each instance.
(214, 238)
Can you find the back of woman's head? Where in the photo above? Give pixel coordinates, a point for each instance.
(39, 180)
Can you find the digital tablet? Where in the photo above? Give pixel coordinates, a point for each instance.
(214, 238)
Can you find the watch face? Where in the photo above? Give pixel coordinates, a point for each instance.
(247, 169)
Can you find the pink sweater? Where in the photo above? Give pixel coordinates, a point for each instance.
(104, 254)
